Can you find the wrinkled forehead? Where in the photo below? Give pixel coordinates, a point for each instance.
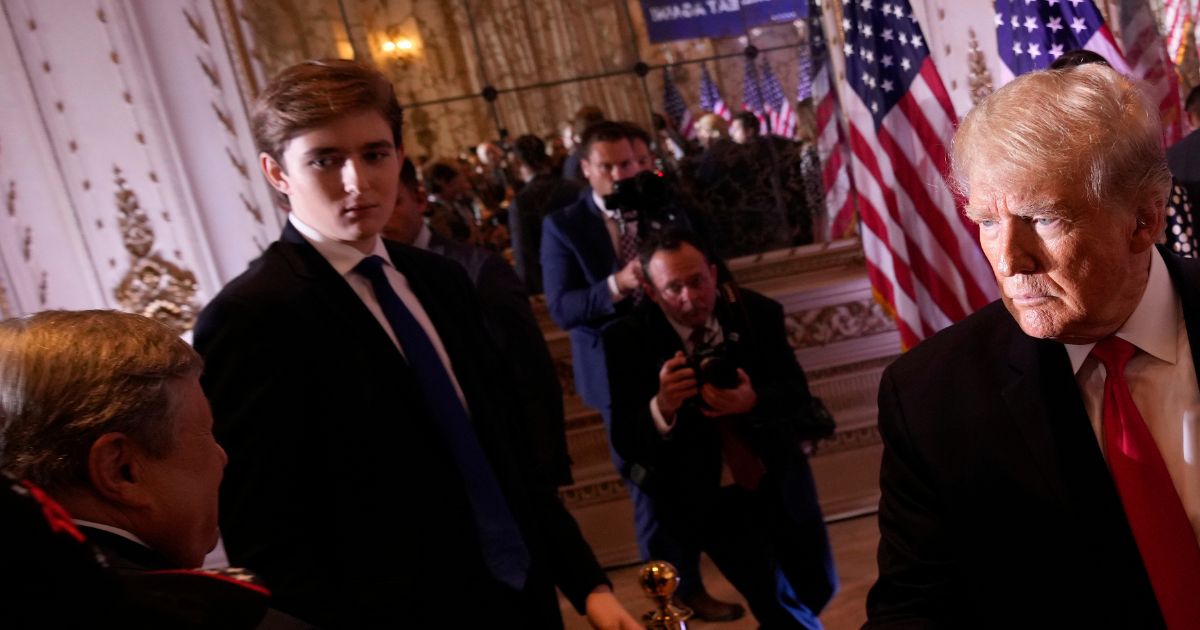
(991, 178)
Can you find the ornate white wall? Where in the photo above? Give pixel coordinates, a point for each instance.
(126, 165)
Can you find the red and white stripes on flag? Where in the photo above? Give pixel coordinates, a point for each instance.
(1177, 22)
(831, 135)
(923, 256)
(1152, 64)
(710, 97)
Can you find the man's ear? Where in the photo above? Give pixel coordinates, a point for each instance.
(1150, 223)
(116, 471)
(276, 176)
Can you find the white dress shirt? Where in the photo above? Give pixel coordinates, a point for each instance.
(344, 258)
(127, 535)
(614, 236)
(1162, 381)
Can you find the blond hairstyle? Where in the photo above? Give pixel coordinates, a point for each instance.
(1085, 124)
(713, 123)
(69, 377)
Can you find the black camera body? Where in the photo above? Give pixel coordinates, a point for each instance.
(645, 197)
(715, 365)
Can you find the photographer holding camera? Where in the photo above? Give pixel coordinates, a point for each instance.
(710, 412)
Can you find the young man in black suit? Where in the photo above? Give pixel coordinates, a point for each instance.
(1038, 465)
(376, 476)
(680, 428)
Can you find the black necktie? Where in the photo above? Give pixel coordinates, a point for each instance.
(503, 547)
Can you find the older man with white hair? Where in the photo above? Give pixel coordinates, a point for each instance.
(1039, 460)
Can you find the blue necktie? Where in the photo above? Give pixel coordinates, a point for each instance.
(503, 548)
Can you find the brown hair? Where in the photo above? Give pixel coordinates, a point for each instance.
(69, 377)
(313, 93)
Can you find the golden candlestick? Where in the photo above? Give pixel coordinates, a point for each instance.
(659, 580)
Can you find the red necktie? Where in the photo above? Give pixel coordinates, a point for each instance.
(1160, 525)
(747, 468)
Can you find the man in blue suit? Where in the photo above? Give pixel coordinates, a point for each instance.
(591, 276)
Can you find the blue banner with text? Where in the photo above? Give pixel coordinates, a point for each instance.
(670, 20)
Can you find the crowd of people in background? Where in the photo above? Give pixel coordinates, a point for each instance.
(753, 191)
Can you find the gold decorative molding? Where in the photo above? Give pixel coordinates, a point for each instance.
(213, 77)
(252, 208)
(979, 76)
(226, 120)
(853, 439)
(238, 164)
(197, 26)
(585, 494)
(850, 368)
(839, 322)
(5, 308)
(153, 287)
(805, 259)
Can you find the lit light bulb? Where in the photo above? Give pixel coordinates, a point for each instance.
(404, 43)
(388, 46)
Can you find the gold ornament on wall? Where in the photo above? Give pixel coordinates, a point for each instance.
(5, 309)
(980, 77)
(153, 287)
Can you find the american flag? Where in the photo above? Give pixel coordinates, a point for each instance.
(1030, 36)
(710, 98)
(1152, 65)
(678, 114)
(781, 115)
(752, 95)
(923, 256)
(1177, 22)
(831, 137)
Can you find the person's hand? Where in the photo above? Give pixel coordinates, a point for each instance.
(728, 402)
(676, 383)
(629, 278)
(604, 612)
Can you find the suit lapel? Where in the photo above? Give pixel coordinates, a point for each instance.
(333, 294)
(1042, 398)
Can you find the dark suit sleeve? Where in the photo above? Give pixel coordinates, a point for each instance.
(633, 382)
(776, 375)
(262, 423)
(571, 299)
(512, 325)
(572, 563)
(914, 562)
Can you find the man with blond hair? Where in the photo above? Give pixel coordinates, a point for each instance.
(1039, 462)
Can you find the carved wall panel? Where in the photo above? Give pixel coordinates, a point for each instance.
(136, 184)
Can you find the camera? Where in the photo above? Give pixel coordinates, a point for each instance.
(714, 365)
(644, 197)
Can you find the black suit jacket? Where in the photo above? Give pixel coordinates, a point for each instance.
(511, 324)
(685, 468)
(542, 195)
(339, 490)
(996, 500)
(1184, 159)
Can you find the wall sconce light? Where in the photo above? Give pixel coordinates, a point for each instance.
(398, 46)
